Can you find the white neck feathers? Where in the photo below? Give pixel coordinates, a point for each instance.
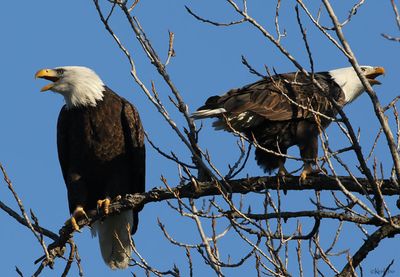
(348, 80)
(80, 86)
(84, 95)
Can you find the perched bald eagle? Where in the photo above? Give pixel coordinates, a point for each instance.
(282, 110)
(102, 154)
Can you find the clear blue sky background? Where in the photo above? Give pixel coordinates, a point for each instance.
(37, 34)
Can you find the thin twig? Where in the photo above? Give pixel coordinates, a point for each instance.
(219, 24)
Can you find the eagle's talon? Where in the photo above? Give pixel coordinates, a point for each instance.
(303, 176)
(79, 212)
(306, 171)
(104, 204)
(74, 224)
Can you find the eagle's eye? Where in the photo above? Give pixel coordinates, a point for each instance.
(60, 71)
(362, 69)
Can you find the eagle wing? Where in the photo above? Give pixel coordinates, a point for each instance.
(134, 136)
(279, 98)
(63, 156)
(62, 141)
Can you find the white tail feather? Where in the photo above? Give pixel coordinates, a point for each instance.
(207, 113)
(114, 239)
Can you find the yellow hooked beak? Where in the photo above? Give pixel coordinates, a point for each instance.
(48, 74)
(377, 71)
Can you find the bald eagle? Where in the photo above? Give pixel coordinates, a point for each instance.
(101, 151)
(285, 110)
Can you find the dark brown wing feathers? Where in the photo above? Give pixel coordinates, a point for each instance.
(274, 98)
(135, 142)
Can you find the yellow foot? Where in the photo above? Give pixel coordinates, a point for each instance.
(306, 171)
(78, 213)
(309, 170)
(303, 176)
(104, 204)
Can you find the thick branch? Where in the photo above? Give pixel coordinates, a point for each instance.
(316, 214)
(246, 185)
(202, 189)
(254, 184)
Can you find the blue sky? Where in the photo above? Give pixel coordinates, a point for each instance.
(46, 33)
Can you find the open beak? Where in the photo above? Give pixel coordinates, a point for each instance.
(48, 74)
(377, 71)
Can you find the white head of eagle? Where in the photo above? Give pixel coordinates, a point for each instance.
(351, 85)
(80, 86)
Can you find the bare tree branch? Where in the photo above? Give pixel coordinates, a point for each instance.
(370, 244)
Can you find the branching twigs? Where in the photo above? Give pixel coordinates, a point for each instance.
(70, 258)
(246, 17)
(171, 51)
(278, 32)
(298, 251)
(350, 132)
(238, 186)
(189, 257)
(251, 69)
(152, 56)
(133, 5)
(243, 154)
(354, 141)
(213, 22)
(50, 252)
(345, 48)
(267, 34)
(389, 37)
(22, 220)
(191, 133)
(317, 214)
(147, 267)
(243, 186)
(320, 27)
(392, 103)
(370, 244)
(303, 32)
(213, 259)
(348, 193)
(396, 12)
(375, 101)
(171, 157)
(214, 251)
(27, 221)
(151, 53)
(352, 12)
(397, 15)
(263, 232)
